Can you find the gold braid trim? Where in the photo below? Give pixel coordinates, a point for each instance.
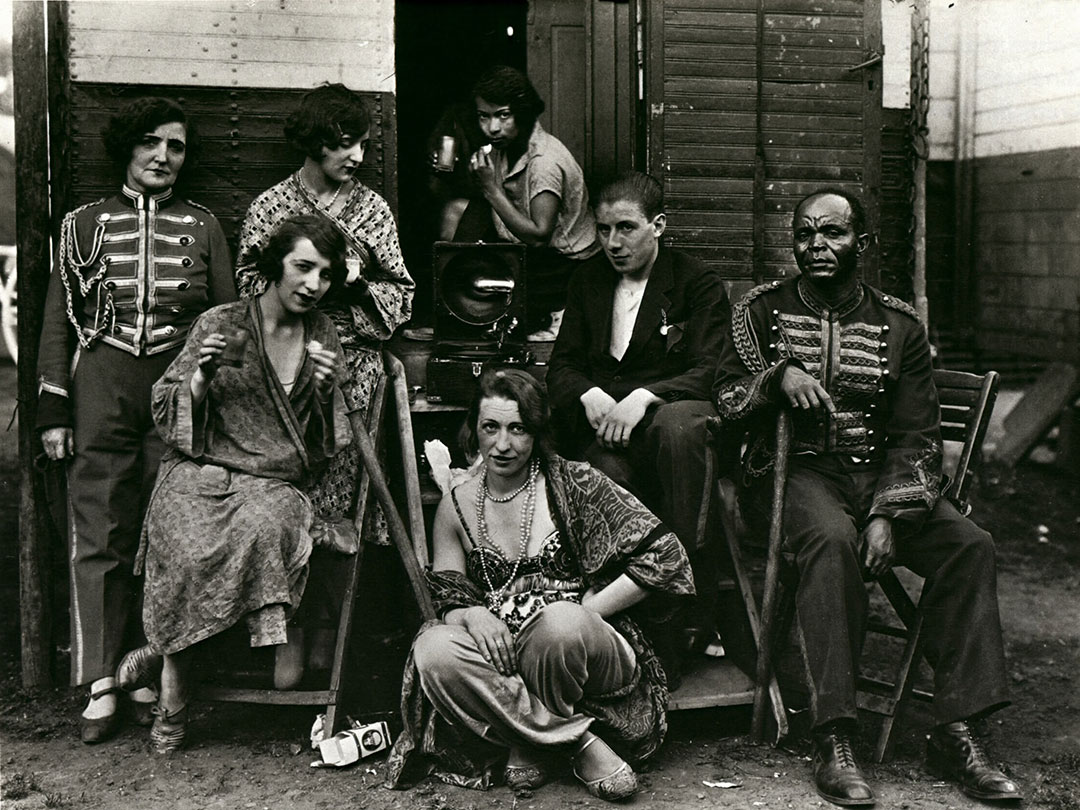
(742, 332)
(72, 261)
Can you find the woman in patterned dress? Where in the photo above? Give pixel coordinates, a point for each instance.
(538, 562)
(331, 127)
(227, 533)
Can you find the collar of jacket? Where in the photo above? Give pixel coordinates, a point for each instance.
(822, 308)
(139, 200)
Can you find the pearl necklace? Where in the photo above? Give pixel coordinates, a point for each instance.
(495, 595)
(516, 492)
(315, 196)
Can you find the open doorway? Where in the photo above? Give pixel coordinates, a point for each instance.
(442, 46)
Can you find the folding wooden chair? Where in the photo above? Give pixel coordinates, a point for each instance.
(413, 552)
(967, 401)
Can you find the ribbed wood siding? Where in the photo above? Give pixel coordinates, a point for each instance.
(240, 43)
(244, 150)
(702, 116)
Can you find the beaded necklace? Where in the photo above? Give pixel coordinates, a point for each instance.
(495, 595)
(315, 196)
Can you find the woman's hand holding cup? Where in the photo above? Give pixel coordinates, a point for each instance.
(209, 359)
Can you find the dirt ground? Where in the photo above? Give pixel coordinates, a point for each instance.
(257, 757)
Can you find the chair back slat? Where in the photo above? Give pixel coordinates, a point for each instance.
(959, 397)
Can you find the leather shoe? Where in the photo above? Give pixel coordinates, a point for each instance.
(836, 775)
(953, 752)
(99, 729)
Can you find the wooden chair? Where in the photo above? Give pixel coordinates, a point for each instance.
(967, 401)
(371, 486)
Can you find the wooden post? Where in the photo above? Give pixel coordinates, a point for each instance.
(30, 73)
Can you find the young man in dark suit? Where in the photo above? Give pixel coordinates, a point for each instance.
(631, 373)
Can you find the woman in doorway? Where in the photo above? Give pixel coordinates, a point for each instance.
(248, 422)
(538, 564)
(132, 272)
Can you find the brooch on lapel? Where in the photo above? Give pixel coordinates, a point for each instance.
(664, 327)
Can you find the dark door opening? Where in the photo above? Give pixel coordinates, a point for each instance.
(442, 46)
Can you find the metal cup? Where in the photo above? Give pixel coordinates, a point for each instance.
(447, 154)
(235, 341)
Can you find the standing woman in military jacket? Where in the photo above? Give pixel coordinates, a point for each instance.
(132, 273)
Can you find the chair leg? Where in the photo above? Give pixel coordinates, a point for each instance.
(905, 683)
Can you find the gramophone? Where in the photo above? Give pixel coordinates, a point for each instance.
(479, 315)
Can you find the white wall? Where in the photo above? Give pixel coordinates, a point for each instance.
(1027, 88)
(244, 43)
(1024, 75)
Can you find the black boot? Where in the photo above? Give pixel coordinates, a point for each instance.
(836, 774)
(953, 752)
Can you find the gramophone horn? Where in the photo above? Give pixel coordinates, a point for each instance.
(476, 288)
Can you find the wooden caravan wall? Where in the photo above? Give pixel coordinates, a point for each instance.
(1026, 202)
(238, 68)
(819, 125)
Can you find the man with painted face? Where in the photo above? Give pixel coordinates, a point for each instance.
(536, 191)
(631, 372)
(863, 492)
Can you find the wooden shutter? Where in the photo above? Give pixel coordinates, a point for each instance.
(751, 105)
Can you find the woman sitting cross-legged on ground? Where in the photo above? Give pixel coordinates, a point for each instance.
(227, 530)
(536, 563)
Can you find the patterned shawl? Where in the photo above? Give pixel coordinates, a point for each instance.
(611, 533)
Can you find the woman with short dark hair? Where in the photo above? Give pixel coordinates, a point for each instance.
(538, 565)
(331, 129)
(132, 273)
(251, 412)
(536, 191)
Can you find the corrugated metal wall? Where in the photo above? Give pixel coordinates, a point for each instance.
(815, 115)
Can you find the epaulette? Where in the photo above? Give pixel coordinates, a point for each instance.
(755, 292)
(898, 304)
(71, 215)
(742, 330)
(200, 207)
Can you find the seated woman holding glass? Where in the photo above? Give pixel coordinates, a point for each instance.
(538, 564)
(250, 411)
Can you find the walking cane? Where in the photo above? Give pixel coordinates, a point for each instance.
(772, 573)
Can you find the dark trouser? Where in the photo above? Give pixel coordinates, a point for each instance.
(824, 512)
(117, 451)
(664, 466)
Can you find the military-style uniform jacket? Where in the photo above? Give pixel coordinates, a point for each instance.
(872, 355)
(133, 271)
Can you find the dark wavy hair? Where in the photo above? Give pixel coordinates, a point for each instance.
(130, 123)
(635, 187)
(858, 211)
(532, 401)
(506, 85)
(326, 115)
(326, 238)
